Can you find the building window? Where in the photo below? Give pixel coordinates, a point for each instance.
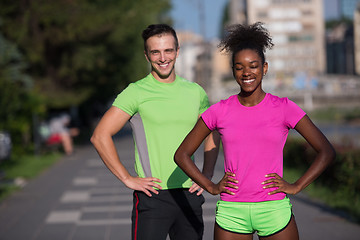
(301, 38)
(262, 14)
(290, 1)
(307, 12)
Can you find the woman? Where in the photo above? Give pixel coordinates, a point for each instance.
(253, 126)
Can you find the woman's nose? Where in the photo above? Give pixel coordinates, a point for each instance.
(246, 72)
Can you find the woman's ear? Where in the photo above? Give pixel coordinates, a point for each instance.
(265, 68)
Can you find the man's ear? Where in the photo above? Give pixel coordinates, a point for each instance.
(146, 56)
(177, 52)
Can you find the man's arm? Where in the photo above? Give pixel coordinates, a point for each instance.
(112, 122)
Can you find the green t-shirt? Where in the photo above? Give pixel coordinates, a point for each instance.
(162, 115)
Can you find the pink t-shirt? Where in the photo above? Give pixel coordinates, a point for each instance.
(253, 140)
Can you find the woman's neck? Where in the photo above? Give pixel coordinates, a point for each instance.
(251, 99)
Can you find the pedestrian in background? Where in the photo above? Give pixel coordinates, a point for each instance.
(61, 132)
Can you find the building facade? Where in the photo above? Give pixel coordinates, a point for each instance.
(357, 39)
(297, 28)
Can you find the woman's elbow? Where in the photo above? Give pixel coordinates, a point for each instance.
(332, 154)
(177, 157)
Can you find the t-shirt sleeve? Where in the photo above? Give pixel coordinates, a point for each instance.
(127, 100)
(293, 113)
(204, 101)
(210, 117)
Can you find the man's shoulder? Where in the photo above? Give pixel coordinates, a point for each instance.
(183, 80)
(143, 80)
(186, 82)
(140, 83)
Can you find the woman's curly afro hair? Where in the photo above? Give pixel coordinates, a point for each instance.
(240, 37)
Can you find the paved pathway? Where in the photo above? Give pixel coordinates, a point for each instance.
(79, 199)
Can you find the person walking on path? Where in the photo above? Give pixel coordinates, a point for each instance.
(253, 126)
(162, 108)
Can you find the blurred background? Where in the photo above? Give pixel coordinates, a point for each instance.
(73, 57)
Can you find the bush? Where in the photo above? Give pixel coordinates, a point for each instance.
(18, 102)
(339, 185)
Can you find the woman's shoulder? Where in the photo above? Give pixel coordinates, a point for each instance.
(222, 105)
(228, 101)
(277, 100)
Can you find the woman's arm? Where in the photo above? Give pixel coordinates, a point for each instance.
(325, 155)
(211, 152)
(183, 159)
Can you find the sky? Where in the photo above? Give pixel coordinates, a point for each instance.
(187, 15)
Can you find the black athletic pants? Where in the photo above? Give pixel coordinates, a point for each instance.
(176, 212)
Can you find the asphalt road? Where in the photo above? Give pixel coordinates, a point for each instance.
(78, 198)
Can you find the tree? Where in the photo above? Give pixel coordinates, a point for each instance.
(18, 101)
(81, 49)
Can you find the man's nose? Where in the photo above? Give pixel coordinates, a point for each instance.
(162, 57)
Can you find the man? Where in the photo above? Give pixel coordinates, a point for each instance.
(162, 108)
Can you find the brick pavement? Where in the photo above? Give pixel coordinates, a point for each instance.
(78, 198)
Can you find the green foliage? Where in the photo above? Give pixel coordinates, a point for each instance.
(25, 167)
(333, 23)
(60, 54)
(76, 48)
(28, 166)
(338, 186)
(333, 114)
(18, 101)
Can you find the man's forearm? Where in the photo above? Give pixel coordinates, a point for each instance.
(108, 154)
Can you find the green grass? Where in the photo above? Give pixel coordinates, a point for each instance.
(26, 167)
(335, 115)
(337, 197)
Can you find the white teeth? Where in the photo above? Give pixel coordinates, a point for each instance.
(164, 65)
(249, 81)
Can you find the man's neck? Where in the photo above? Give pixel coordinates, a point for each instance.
(171, 78)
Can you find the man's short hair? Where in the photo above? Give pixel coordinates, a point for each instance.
(158, 29)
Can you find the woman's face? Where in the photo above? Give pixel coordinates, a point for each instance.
(249, 70)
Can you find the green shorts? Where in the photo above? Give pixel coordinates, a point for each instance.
(265, 218)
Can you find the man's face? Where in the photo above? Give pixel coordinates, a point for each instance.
(162, 53)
